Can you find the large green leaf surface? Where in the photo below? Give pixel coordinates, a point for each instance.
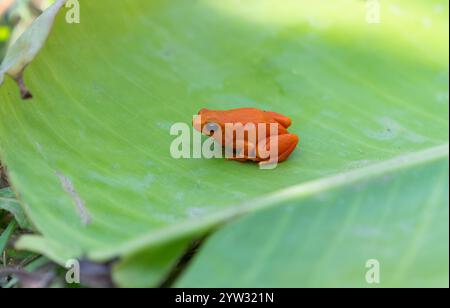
(328, 239)
(89, 155)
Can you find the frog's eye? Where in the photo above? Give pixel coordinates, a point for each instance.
(211, 127)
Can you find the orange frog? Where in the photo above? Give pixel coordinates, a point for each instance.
(253, 136)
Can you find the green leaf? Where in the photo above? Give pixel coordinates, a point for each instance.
(89, 154)
(55, 251)
(9, 203)
(150, 267)
(6, 234)
(399, 219)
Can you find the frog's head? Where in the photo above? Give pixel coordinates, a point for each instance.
(207, 122)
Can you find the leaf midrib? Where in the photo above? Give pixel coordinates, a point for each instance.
(302, 190)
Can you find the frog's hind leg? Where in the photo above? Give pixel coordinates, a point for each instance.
(286, 145)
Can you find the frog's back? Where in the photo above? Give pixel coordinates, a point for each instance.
(246, 115)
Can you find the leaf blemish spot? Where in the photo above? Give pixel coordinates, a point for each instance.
(68, 187)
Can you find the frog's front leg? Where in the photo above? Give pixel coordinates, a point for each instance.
(286, 145)
(243, 150)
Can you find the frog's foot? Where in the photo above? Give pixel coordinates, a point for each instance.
(286, 145)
